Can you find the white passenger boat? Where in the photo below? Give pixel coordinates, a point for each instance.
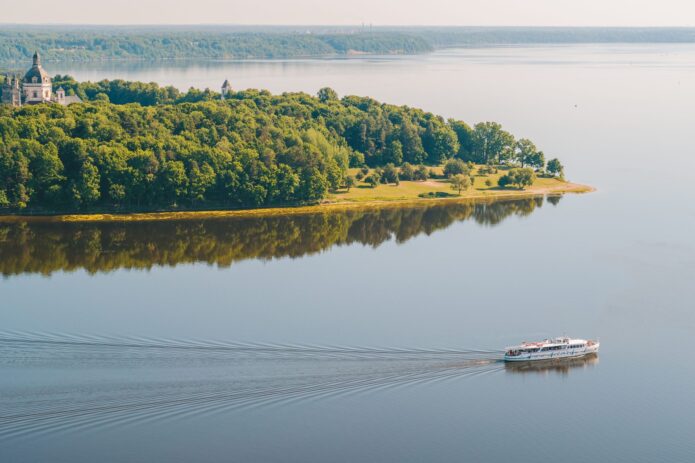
(550, 349)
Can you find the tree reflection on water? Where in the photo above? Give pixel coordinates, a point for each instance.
(45, 248)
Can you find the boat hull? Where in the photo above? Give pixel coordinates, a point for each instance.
(551, 355)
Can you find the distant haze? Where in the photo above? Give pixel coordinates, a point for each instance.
(352, 12)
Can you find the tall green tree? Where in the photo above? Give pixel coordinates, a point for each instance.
(491, 143)
(555, 168)
(465, 136)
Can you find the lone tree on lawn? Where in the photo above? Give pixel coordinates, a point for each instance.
(460, 182)
(349, 182)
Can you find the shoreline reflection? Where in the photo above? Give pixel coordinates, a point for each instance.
(45, 248)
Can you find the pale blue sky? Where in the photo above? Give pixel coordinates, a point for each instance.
(346, 12)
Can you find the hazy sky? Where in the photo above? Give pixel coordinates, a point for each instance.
(345, 12)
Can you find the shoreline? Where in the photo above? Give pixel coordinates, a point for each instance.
(326, 206)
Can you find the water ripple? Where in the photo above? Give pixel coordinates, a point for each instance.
(110, 381)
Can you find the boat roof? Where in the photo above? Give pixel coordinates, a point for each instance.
(548, 342)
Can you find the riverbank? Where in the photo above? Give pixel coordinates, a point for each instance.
(403, 195)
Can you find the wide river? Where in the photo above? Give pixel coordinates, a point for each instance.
(376, 335)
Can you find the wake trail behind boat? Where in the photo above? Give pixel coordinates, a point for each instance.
(147, 378)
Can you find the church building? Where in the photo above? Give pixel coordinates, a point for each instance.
(36, 87)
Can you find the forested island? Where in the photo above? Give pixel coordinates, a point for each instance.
(133, 146)
(98, 43)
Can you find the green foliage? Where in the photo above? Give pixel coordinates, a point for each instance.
(356, 158)
(85, 44)
(460, 182)
(389, 174)
(373, 180)
(456, 167)
(520, 177)
(555, 168)
(464, 134)
(228, 154)
(142, 147)
(421, 173)
(349, 182)
(528, 155)
(394, 152)
(491, 143)
(436, 194)
(327, 94)
(407, 172)
(487, 169)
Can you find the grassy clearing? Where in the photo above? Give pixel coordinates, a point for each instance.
(409, 190)
(359, 197)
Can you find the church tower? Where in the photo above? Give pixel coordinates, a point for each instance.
(11, 93)
(60, 96)
(226, 89)
(37, 84)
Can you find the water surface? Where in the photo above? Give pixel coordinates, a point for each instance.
(376, 336)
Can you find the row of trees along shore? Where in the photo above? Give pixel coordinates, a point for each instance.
(139, 146)
(99, 43)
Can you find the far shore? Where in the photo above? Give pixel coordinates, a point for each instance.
(334, 203)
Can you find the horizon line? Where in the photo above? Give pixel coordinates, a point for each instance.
(362, 25)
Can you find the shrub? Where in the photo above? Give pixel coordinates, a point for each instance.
(522, 178)
(455, 167)
(435, 194)
(390, 174)
(420, 173)
(407, 172)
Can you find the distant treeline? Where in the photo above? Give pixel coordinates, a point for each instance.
(45, 248)
(461, 36)
(89, 43)
(17, 46)
(137, 146)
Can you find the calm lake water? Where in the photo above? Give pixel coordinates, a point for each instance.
(376, 335)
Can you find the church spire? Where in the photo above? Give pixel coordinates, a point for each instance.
(37, 59)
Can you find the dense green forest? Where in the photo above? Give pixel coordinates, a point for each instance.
(45, 248)
(136, 146)
(89, 43)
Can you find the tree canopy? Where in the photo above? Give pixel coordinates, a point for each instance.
(139, 146)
